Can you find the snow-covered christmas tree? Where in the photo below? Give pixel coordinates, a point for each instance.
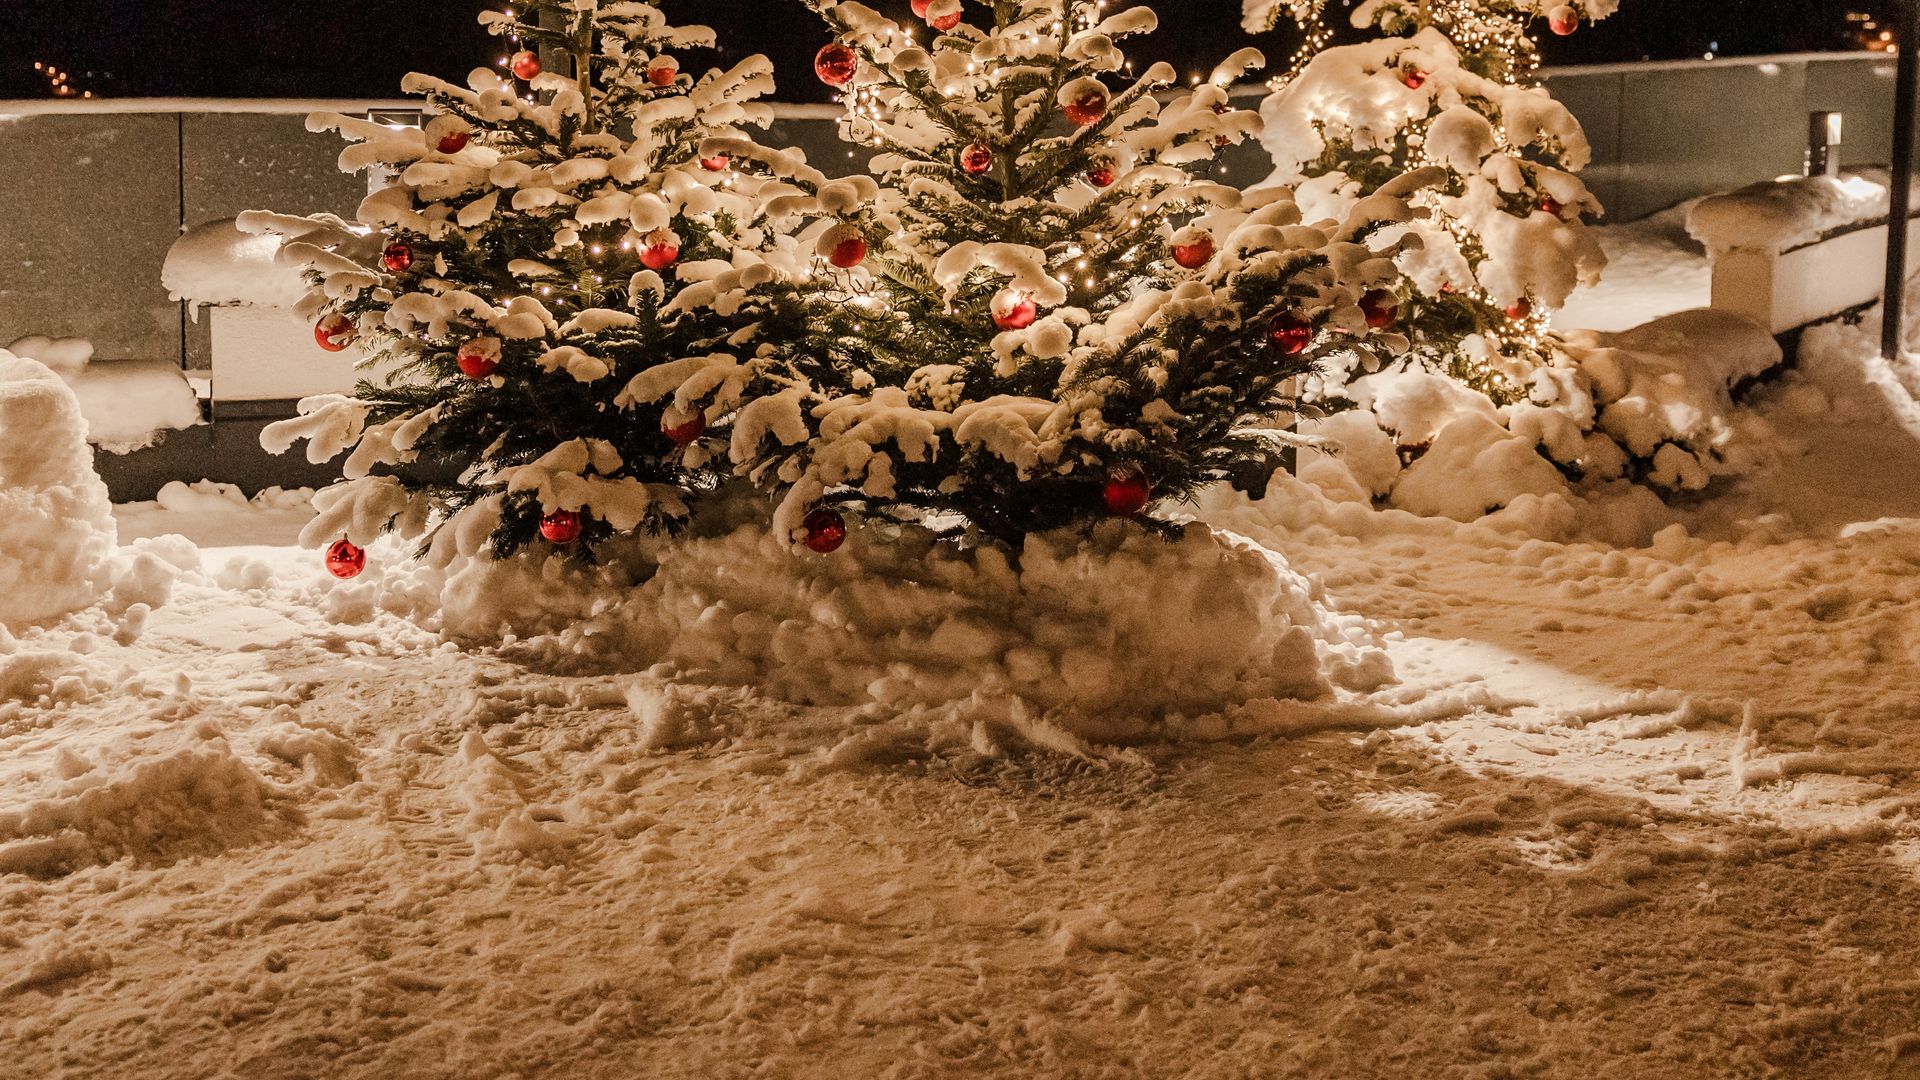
(1451, 85)
(1043, 312)
(527, 262)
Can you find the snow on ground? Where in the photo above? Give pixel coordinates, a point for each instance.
(1653, 268)
(1643, 810)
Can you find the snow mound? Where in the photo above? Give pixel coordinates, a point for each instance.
(1650, 408)
(156, 798)
(1098, 639)
(57, 535)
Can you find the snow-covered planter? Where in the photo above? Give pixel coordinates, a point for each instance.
(1787, 253)
(1100, 639)
(262, 350)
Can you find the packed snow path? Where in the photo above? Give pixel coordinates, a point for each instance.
(1675, 838)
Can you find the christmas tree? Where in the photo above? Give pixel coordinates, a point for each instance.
(1503, 241)
(536, 257)
(1042, 312)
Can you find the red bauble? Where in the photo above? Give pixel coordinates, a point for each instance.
(715, 163)
(662, 75)
(333, 333)
(920, 8)
(659, 252)
(1551, 205)
(1414, 78)
(476, 365)
(1018, 317)
(1195, 255)
(560, 527)
(453, 142)
(525, 65)
(397, 258)
(1127, 493)
(977, 158)
(1521, 308)
(1379, 308)
(849, 253)
(345, 560)
(945, 23)
(1088, 108)
(1291, 334)
(836, 64)
(688, 433)
(1101, 176)
(824, 531)
(1563, 20)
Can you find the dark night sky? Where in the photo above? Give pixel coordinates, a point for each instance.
(360, 48)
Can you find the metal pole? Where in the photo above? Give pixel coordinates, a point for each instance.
(1907, 84)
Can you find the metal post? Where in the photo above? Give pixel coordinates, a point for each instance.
(1907, 84)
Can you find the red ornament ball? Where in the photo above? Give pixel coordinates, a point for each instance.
(715, 163)
(920, 8)
(944, 23)
(525, 65)
(836, 64)
(476, 365)
(345, 560)
(1088, 108)
(977, 158)
(1379, 308)
(688, 433)
(823, 531)
(849, 253)
(397, 258)
(333, 333)
(1127, 493)
(662, 75)
(1520, 309)
(560, 527)
(1101, 176)
(1551, 205)
(1291, 334)
(1414, 78)
(453, 142)
(659, 252)
(1017, 317)
(1195, 255)
(1563, 20)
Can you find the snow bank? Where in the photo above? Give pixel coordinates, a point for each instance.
(1083, 639)
(56, 524)
(216, 263)
(128, 404)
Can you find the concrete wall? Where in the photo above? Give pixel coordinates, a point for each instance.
(1666, 132)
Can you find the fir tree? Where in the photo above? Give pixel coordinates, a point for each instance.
(535, 253)
(1451, 85)
(1043, 313)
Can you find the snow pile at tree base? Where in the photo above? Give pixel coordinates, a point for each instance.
(1103, 639)
(56, 524)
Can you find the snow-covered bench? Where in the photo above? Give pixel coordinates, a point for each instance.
(1790, 253)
